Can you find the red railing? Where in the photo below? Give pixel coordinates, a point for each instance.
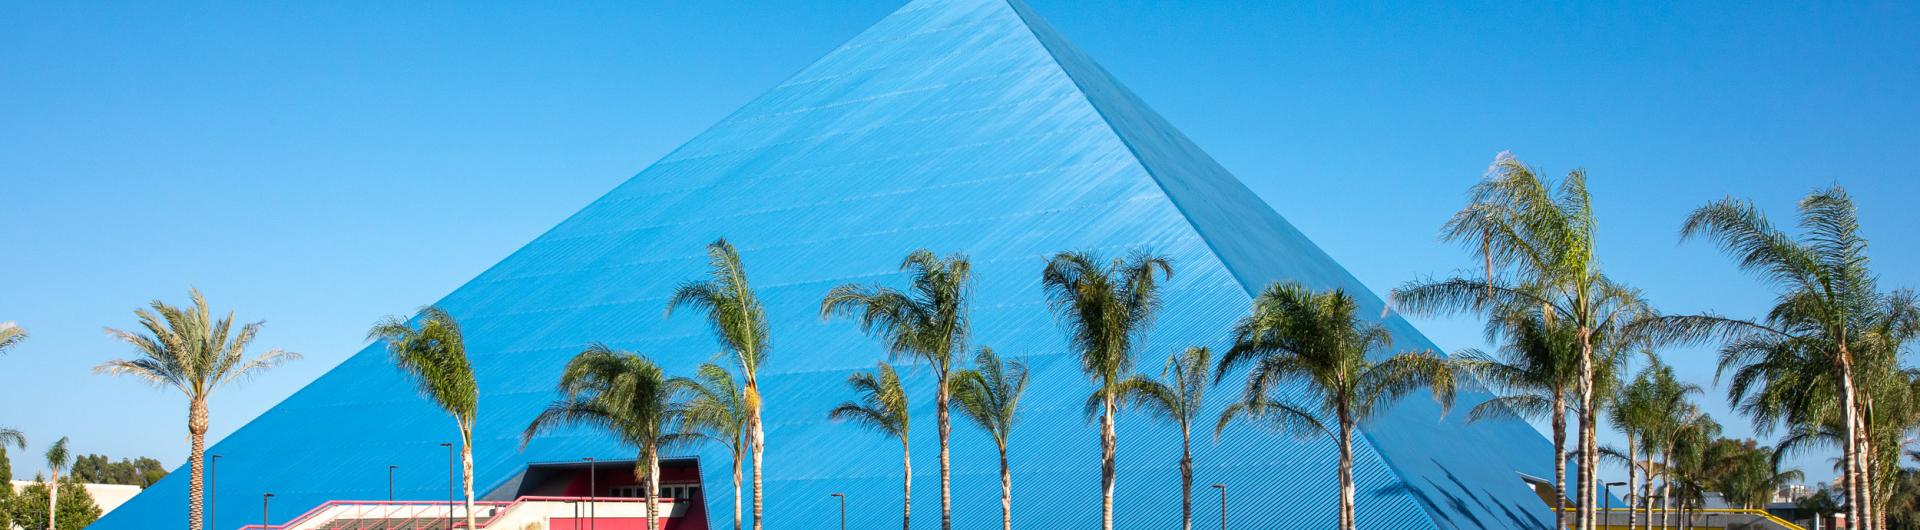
(505, 507)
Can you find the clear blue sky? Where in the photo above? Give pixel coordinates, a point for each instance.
(321, 165)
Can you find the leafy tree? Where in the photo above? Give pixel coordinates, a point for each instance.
(435, 356)
(1107, 311)
(1297, 335)
(98, 469)
(716, 410)
(186, 349)
(1816, 355)
(740, 322)
(882, 407)
(990, 395)
(928, 322)
(76, 508)
(1177, 398)
(622, 393)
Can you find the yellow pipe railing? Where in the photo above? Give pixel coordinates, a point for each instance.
(1729, 511)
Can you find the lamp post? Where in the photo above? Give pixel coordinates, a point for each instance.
(843, 509)
(213, 491)
(1223, 504)
(449, 446)
(264, 519)
(1606, 499)
(593, 491)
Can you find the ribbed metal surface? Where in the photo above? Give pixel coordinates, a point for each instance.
(958, 125)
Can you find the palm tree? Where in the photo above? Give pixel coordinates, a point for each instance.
(1674, 421)
(1107, 311)
(186, 349)
(1534, 372)
(1633, 413)
(622, 393)
(990, 395)
(740, 323)
(928, 323)
(11, 335)
(435, 356)
(1177, 398)
(882, 406)
(1822, 321)
(1295, 334)
(716, 410)
(1536, 240)
(57, 460)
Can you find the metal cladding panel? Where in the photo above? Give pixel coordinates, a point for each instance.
(956, 125)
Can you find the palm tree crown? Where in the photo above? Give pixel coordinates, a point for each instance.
(434, 354)
(1296, 334)
(186, 349)
(624, 394)
(1107, 311)
(928, 322)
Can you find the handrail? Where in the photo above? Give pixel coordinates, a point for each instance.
(1763, 514)
(506, 507)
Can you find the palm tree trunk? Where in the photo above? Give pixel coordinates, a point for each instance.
(1633, 476)
(1186, 477)
(1859, 499)
(1346, 472)
(736, 483)
(1559, 460)
(198, 421)
(466, 470)
(1666, 486)
(1107, 465)
(53, 498)
(1006, 491)
(759, 449)
(906, 487)
(1585, 506)
(1646, 486)
(653, 489)
(946, 467)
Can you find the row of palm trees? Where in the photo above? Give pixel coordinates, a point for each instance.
(1822, 363)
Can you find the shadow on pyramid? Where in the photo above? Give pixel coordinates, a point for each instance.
(956, 125)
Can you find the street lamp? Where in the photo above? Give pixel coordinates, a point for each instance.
(1223, 504)
(843, 510)
(390, 482)
(449, 446)
(264, 519)
(1606, 497)
(213, 491)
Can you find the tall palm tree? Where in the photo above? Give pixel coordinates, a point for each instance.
(1536, 241)
(1177, 398)
(882, 407)
(1676, 421)
(990, 395)
(1295, 334)
(11, 335)
(186, 349)
(1534, 372)
(57, 460)
(1106, 311)
(626, 395)
(1633, 413)
(716, 410)
(1826, 303)
(928, 323)
(740, 323)
(435, 356)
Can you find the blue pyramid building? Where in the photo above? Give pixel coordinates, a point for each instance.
(956, 125)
